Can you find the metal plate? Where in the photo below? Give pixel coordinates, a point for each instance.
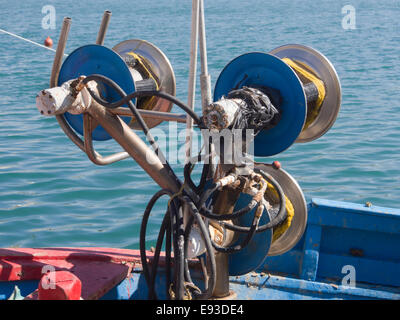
(323, 68)
(96, 59)
(161, 67)
(254, 254)
(293, 191)
(257, 68)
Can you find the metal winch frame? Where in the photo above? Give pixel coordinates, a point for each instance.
(291, 77)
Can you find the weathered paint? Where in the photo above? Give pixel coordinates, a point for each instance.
(337, 234)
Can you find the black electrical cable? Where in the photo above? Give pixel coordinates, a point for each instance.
(137, 94)
(175, 213)
(142, 236)
(204, 231)
(179, 254)
(187, 169)
(168, 258)
(154, 264)
(173, 220)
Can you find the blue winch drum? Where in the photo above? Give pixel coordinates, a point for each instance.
(263, 69)
(97, 59)
(254, 254)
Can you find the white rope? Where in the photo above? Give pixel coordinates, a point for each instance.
(33, 42)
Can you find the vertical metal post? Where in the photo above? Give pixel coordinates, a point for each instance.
(62, 41)
(205, 80)
(103, 27)
(55, 71)
(192, 75)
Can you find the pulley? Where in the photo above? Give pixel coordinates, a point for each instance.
(135, 65)
(299, 81)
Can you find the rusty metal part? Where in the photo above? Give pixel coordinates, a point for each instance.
(225, 203)
(221, 114)
(71, 96)
(227, 180)
(222, 281)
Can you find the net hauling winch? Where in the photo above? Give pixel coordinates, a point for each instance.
(238, 213)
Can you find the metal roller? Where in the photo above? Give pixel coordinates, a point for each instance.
(325, 71)
(161, 69)
(262, 69)
(96, 59)
(298, 80)
(135, 65)
(294, 193)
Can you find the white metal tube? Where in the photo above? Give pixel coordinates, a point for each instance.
(205, 80)
(103, 27)
(192, 75)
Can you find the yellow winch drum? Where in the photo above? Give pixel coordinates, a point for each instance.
(149, 63)
(293, 231)
(312, 66)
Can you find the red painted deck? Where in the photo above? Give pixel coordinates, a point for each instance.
(97, 269)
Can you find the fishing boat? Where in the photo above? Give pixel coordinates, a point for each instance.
(245, 230)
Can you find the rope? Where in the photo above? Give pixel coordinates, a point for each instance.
(273, 197)
(302, 71)
(147, 103)
(30, 41)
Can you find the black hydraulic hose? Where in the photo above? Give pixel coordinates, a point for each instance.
(138, 94)
(179, 253)
(174, 213)
(150, 278)
(203, 179)
(154, 263)
(209, 249)
(172, 225)
(186, 175)
(168, 257)
(143, 227)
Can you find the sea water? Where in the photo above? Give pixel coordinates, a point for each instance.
(52, 195)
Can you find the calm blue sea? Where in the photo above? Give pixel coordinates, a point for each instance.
(52, 195)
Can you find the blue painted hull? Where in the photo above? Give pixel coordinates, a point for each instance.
(348, 251)
(342, 240)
